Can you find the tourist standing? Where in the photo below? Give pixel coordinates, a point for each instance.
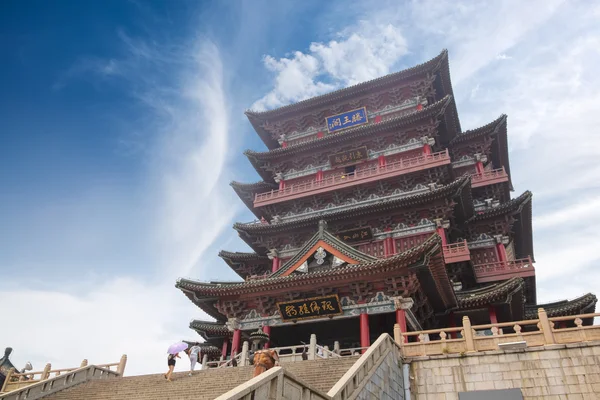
(194, 353)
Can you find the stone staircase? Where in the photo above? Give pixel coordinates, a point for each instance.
(322, 374)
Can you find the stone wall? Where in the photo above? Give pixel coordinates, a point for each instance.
(547, 372)
(386, 383)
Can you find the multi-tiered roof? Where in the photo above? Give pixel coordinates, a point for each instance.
(421, 210)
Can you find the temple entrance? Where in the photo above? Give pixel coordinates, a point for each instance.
(344, 330)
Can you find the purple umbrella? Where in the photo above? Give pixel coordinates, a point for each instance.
(177, 347)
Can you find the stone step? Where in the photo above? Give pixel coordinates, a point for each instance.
(203, 385)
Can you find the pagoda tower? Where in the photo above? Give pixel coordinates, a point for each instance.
(375, 208)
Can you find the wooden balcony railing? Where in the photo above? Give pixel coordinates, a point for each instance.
(375, 173)
(475, 338)
(456, 252)
(504, 270)
(489, 177)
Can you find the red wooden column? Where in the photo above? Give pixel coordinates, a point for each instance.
(235, 343)
(365, 340)
(275, 265)
(381, 160)
(501, 249)
(439, 228)
(281, 184)
(426, 149)
(493, 318)
(452, 324)
(267, 329)
(401, 321)
(224, 348)
(479, 167)
(440, 231)
(319, 175)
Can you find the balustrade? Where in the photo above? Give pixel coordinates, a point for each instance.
(536, 332)
(456, 252)
(504, 270)
(489, 177)
(361, 176)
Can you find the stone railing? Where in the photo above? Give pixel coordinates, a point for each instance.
(356, 376)
(15, 381)
(456, 252)
(491, 272)
(489, 177)
(374, 173)
(275, 384)
(42, 388)
(278, 384)
(470, 339)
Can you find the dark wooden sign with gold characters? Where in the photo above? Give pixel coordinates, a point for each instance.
(315, 307)
(348, 157)
(356, 235)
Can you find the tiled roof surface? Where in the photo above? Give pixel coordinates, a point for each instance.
(499, 292)
(581, 305)
(453, 189)
(432, 110)
(401, 260)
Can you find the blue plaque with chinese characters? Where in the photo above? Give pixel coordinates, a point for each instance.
(348, 119)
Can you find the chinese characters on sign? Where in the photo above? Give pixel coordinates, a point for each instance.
(310, 308)
(347, 120)
(356, 235)
(348, 157)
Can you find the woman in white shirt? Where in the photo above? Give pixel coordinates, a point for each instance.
(193, 353)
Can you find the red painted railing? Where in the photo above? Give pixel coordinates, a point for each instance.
(361, 176)
(504, 270)
(489, 177)
(456, 252)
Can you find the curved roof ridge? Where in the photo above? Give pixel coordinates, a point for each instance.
(487, 128)
(586, 296)
(433, 63)
(245, 186)
(241, 255)
(513, 205)
(323, 235)
(408, 255)
(437, 108)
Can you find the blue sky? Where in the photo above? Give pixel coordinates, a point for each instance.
(121, 125)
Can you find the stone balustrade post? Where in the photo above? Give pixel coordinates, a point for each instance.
(312, 347)
(7, 379)
(204, 364)
(545, 326)
(244, 360)
(121, 366)
(468, 334)
(326, 351)
(397, 334)
(336, 347)
(46, 372)
(84, 363)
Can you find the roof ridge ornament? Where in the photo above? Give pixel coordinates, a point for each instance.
(322, 228)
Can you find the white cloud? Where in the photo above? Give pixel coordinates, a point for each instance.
(361, 54)
(185, 205)
(115, 317)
